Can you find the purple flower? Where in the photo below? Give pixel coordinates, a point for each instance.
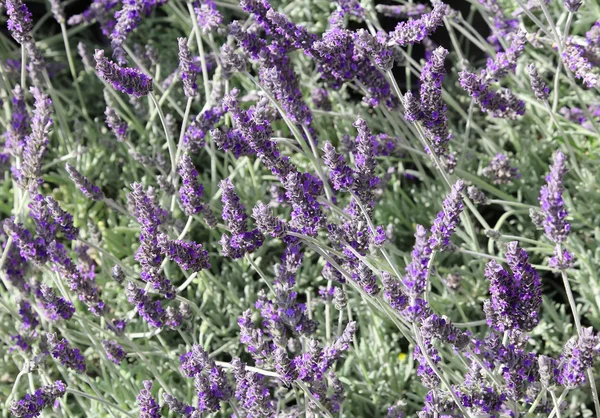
(150, 216)
(28, 316)
(178, 406)
(82, 284)
(125, 80)
(365, 278)
(334, 351)
(44, 225)
(341, 60)
(63, 219)
(257, 134)
(31, 249)
(551, 201)
(506, 62)
(365, 179)
(241, 240)
(320, 99)
(20, 22)
(416, 270)
(187, 69)
(191, 190)
(432, 109)
(189, 255)
(149, 408)
(340, 174)
(69, 357)
(441, 328)
(210, 381)
(31, 405)
(578, 356)
(152, 312)
(516, 298)
(575, 59)
(230, 61)
(414, 31)
(267, 223)
(195, 134)
(19, 123)
(500, 170)
(15, 267)
(405, 11)
(36, 143)
(501, 104)
(562, 260)
(302, 191)
(55, 307)
(538, 86)
(251, 391)
(428, 376)
(89, 189)
(127, 20)
(100, 11)
(114, 351)
(393, 292)
(234, 213)
(117, 125)
(447, 219)
(573, 5)
(209, 18)
(412, 107)
(375, 48)
(352, 7)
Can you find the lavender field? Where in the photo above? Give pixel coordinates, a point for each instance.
(300, 208)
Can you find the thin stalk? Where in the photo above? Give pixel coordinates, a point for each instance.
(440, 376)
(573, 306)
(170, 143)
(188, 108)
(101, 400)
(63, 29)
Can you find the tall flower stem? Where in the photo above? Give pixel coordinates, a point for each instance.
(63, 30)
(589, 371)
(433, 367)
(170, 142)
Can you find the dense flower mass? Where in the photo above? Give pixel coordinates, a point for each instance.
(125, 80)
(551, 201)
(256, 208)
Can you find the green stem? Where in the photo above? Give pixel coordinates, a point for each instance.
(170, 143)
(101, 400)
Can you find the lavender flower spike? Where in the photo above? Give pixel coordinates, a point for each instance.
(189, 255)
(414, 31)
(149, 408)
(553, 206)
(578, 356)
(117, 125)
(62, 218)
(234, 213)
(20, 22)
(432, 105)
(191, 190)
(125, 80)
(538, 86)
(113, 351)
(69, 357)
(31, 405)
(90, 190)
(36, 144)
(187, 69)
(447, 218)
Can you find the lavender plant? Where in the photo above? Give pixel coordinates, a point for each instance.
(289, 209)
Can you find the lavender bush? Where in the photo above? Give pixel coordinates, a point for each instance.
(288, 209)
